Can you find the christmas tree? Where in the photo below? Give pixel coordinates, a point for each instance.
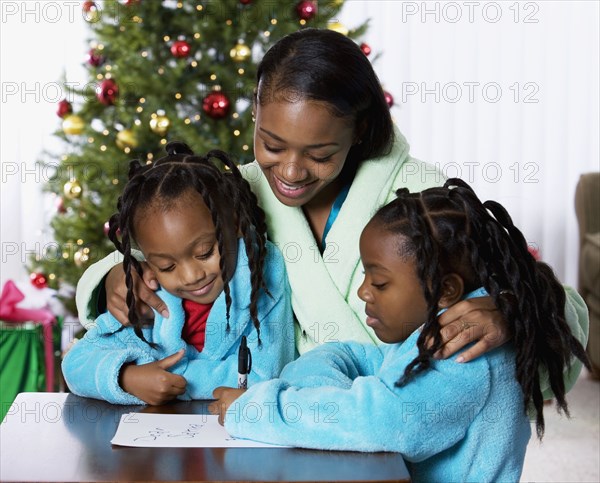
(158, 71)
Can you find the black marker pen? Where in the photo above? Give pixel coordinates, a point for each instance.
(244, 364)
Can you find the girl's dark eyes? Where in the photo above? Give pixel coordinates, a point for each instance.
(206, 255)
(379, 286)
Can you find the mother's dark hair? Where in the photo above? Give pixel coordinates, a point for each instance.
(323, 65)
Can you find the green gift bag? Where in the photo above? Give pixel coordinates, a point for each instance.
(21, 361)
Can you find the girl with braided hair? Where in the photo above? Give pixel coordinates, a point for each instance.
(423, 253)
(186, 215)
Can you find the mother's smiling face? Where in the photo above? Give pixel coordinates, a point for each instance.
(301, 148)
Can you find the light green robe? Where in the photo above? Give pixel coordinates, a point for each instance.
(324, 288)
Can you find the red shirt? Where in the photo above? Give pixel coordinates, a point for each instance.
(194, 328)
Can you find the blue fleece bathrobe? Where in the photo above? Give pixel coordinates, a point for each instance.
(454, 422)
(91, 368)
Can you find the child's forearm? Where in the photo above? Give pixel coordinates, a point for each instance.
(90, 371)
(127, 379)
(333, 364)
(368, 416)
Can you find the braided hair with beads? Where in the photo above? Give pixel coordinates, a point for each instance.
(232, 204)
(449, 230)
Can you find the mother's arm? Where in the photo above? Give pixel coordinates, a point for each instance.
(478, 320)
(102, 287)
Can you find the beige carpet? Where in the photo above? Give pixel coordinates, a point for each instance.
(570, 450)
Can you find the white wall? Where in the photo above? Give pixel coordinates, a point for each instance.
(525, 151)
(511, 87)
(39, 43)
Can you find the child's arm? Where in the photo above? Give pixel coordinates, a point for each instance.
(92, 365)
(333, 364)
(95, 366)
(427, 416)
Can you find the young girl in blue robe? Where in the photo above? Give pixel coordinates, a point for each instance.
(452, 421)
(203, 236)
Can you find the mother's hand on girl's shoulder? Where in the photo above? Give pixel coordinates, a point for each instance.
(146, 299)
(473, 320)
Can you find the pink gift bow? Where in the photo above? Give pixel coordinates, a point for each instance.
(9, 312)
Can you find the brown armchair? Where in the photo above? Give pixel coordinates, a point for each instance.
(587, 207)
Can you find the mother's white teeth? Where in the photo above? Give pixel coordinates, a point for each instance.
(291, 187)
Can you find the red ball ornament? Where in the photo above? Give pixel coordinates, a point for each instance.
(94, 58)
(365, 48)
(180, 49)
(107, 92)
(306, 9)
(64, 108)
(91, 12)
(216, 105)
(245, 2)
(60, 206)
(131, 3)
(388, 98)
(38, 280)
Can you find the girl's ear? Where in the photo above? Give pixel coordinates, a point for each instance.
(452, 290)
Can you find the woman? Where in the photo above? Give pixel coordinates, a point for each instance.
(327, 157)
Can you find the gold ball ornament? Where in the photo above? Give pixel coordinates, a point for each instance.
(240, 52)
(126, 139)
(72, 189)
(160, 124)
(338, 27)
(73, 124)
(81, 257)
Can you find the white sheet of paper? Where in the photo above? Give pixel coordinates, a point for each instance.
(177, 431)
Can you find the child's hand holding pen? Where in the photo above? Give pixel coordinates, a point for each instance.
(225, 396)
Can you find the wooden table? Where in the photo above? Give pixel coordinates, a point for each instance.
(62, 437)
